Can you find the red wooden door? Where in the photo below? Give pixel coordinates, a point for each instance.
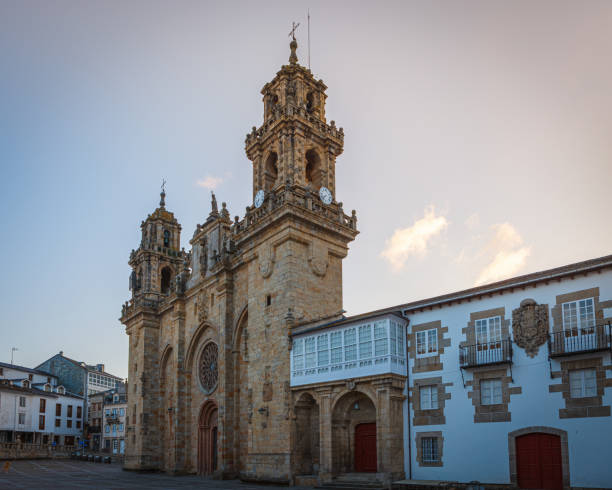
(538, 461)
(365, 447)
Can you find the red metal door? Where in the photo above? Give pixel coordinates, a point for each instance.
(538, 461)
(365, 447)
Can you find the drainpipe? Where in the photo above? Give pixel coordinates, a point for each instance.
(408, 401)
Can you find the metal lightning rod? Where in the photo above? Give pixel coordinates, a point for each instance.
(309, 39)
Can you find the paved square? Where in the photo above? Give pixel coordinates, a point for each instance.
(47, 474)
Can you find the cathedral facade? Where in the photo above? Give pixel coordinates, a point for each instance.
(210, 329)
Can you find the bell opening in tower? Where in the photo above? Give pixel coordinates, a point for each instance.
(271, 170)
(313, 169)
(166, 277)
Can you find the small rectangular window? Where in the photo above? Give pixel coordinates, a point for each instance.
(21, 418)
(79, 412)
(429, 397)
(268, 300)
(78, 424)
(490, 392)
(429, 450)
(335, 343)
(58, 422)
(107, 429)
(350, 344)
(381, 344)
(41, 422)
(365, 341)
(311, 355)
(322, 350)
(298, 354)
(583, 383)
(121, 412)
(58, 409)
(69, 424)
(120, 427)
(427, 342)
(69, 412)
(43, 405)
(400, 340)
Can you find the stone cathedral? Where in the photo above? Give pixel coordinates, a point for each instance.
(210, 329)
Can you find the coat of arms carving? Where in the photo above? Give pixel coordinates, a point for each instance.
(530, 326)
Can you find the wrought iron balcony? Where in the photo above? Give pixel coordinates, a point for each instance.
(580, 340)
(498, 352)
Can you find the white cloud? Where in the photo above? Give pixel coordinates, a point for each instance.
(508, 253)
(415, 239)
(210, 182)
(472, 221)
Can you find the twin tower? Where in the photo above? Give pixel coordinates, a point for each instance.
(210, 329)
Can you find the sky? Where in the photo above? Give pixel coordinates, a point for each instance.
(478, 144)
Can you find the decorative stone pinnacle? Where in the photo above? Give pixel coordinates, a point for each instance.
(293, 58)
(215, 208)
(162, 201)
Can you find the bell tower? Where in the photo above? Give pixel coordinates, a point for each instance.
(295, 145)
(159, 258)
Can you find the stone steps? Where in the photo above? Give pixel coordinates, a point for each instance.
(357, 481)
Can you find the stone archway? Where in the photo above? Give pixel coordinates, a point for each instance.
(512, 451)
(208, 438)
(354, 426)
(307, 449)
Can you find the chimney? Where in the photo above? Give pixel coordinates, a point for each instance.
(61, 353)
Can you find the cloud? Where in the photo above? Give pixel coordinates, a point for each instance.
(210, 182)
(508, 253)
(472, 221)
(413, 241)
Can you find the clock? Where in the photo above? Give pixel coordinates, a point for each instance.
(325, 195)
(259, 198)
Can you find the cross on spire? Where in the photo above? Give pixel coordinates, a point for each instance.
(162, 201)
(293, 28)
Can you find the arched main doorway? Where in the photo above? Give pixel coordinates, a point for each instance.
(208, 439)
(354, 447)
(538, 461)
(539, 458)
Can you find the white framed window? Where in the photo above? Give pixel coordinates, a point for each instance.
(22, 401)
(107, 411)
(350, 344)
(335, 344)
(429, 450)
(107, 429)
(427, 342)
(488, 333)
(121, 412)
(579, 317)
(298, 354)
(21, 418)
(311, 354)
(392, 339)
(583, 383)
(365, 341)
(400, 339)
(120, 427)
(490, 391)
(322, 350)
(381, 344)
(429, 397)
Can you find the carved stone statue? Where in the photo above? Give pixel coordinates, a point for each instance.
(530, 326)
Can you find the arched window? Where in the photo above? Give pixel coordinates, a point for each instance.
(271, 170)
(166, 239)
(310, 102)
(313, 169)
(166, 277)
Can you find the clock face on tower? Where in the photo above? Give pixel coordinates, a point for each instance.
(325, 195)
(259, 198)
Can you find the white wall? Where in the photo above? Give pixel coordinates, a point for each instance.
(479, 451)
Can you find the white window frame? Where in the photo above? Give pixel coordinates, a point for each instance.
(578, 317)
(428, 396)
(488, 333)
(366, 347)
(429, 342)
(491, 391)
(322, 350)
(583, 383)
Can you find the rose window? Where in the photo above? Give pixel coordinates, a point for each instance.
(209, 367)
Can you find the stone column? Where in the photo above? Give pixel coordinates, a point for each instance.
(325, 434)
(390, 427)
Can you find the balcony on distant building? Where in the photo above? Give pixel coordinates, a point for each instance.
(580, 340)
(486, 354)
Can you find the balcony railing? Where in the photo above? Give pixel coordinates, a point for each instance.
(498, 352)
(580, 340)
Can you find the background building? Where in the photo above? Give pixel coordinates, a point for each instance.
(79, 377)
(114, 420)
(35, 409)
